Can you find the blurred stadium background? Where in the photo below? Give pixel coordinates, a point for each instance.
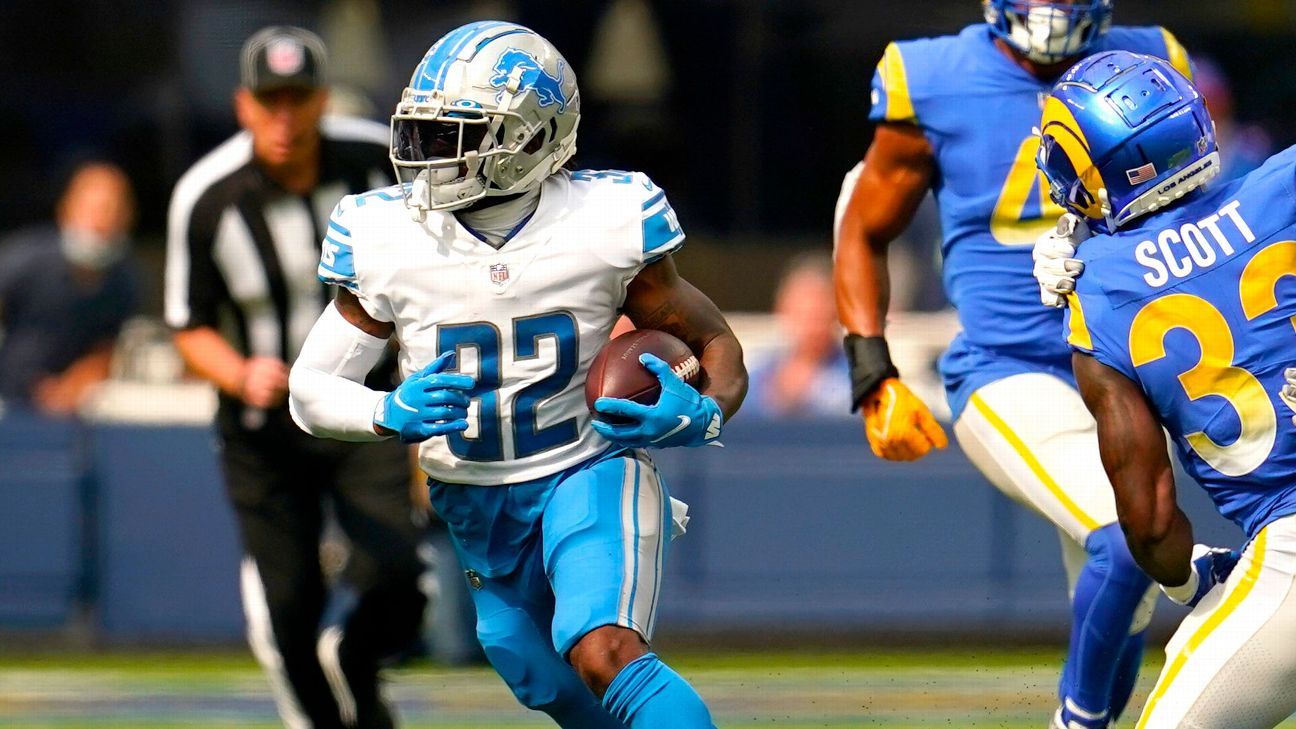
(817, 586)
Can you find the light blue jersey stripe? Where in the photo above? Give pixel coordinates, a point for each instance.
(654, 199)
(333, 224)
(661, 230)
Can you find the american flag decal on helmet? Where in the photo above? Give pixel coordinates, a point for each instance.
(499, 273)
(1140, 175)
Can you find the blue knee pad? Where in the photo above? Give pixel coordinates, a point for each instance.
(1107, 595)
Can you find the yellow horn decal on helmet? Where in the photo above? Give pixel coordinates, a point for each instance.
(1059, 123)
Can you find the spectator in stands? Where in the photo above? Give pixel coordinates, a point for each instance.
(808, 377)
(66, 289)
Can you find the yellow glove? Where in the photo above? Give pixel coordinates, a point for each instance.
(898, 425)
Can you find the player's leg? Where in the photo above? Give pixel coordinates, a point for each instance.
(1074, 559)
(514, 610)
(371, 490)
(279, 520)
(1231, 664)
(606, 534)
(1033, 438)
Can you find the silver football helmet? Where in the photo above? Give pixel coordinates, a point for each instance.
(491, 110)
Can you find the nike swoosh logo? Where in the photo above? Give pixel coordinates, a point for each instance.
(685, 421)
(402, 405)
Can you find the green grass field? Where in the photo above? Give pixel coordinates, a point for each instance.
(974, 688)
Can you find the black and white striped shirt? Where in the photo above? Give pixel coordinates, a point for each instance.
(242, 252)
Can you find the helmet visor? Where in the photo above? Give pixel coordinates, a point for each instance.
(433, 140)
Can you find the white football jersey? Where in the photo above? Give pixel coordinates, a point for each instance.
(526, 319)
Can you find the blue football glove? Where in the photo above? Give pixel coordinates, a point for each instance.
(682, 416)
(428, 403)
(1211, 566)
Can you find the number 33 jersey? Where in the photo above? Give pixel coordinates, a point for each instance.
(978, 111)
(525, 319)
(1197, 304)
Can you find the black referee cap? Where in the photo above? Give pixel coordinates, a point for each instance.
(282, 56)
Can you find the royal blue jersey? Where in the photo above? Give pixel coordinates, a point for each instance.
(1197, 305)
(978, 110)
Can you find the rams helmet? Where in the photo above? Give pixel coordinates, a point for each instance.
(1048, 32)
(1122, 135)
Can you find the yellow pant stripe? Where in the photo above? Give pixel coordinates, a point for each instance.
(1033, 463)
(1227, 608)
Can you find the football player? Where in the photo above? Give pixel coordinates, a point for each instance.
(501, 275)
(1183, 319)
(955, 116)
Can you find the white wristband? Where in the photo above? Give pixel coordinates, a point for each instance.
(1183, 593)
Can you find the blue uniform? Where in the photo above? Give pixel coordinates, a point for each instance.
(1195, 305)
(978, 109)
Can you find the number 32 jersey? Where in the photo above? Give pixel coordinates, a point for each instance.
(978, 110)
(1197, 305)
(526, 319)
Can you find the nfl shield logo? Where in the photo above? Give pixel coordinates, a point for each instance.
(474, 579)
(285, 57)
(499, 273)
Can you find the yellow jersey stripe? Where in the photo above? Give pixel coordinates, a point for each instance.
(1176, 54)
(1032, 462)
(896, 81)
(1227, 608)
(1079, 335)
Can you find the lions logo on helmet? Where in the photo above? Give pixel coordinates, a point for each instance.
(1048, 32)
(1122, 135)
(492, 109)
(531, 76)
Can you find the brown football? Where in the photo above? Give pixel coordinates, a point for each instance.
(616, 371)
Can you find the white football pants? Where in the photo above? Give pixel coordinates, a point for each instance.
(1033, 438)
(1232, 662)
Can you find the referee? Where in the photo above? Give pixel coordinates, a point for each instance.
(243, 242)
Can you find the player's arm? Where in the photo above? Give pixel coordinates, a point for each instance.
(328, 398)
(1133, 451)
(896, 175)
(658, 298)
